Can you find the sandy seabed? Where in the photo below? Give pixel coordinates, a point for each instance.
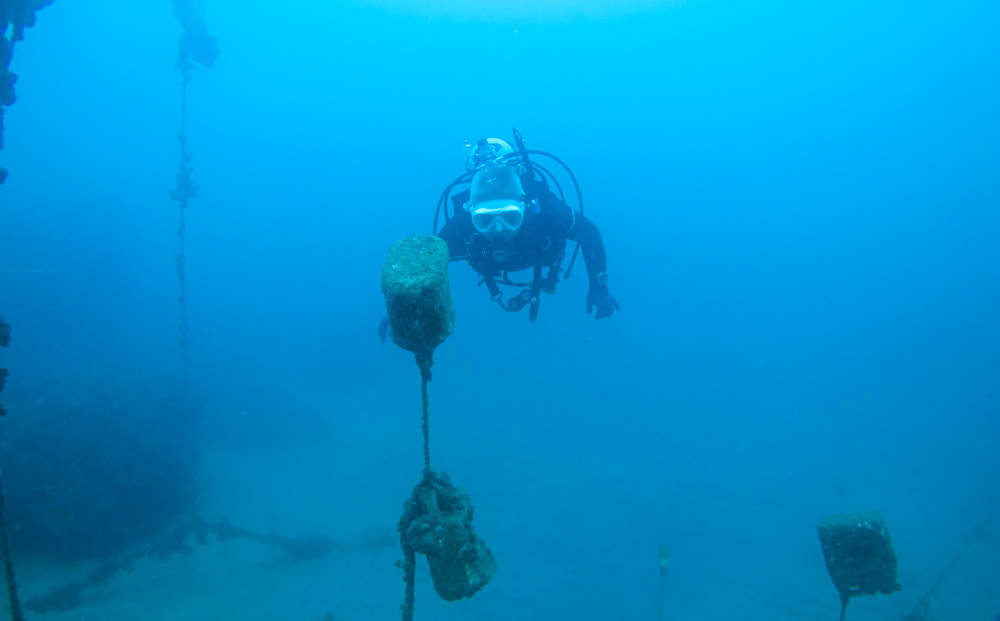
(565, 551)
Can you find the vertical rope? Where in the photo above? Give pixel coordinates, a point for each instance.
(426, 428)
(182, 229)
(659, 611)
(184, 191)
(18, 18)
(409, 571)
(183, 327)
(409, 555)
(8, 561)
(181, 269)
(425, 359)
(195, 44)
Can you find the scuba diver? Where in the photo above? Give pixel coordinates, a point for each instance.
(509, 219)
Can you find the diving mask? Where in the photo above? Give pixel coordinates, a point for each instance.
(496, 201)
(497, 217)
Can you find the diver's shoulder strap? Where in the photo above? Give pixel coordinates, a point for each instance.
(459, 200)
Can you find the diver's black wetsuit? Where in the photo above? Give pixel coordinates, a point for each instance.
(541, 240)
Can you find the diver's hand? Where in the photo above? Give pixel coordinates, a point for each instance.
(600, 297)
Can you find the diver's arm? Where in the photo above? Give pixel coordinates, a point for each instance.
(594, 255)
(566, 223)
(596, 260)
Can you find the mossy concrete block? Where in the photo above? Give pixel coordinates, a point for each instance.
(437, 522)
(859, 554)
(417, 295)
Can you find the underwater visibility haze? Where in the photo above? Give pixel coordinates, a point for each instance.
(800, 204)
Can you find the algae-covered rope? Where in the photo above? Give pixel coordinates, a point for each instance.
(921, 608)
(409, 555)
(184, 191)
(425, 358)
(426, 427)
(195, 44)
(409, 571)
(8, 561)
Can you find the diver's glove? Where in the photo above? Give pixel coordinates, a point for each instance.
(600, 297)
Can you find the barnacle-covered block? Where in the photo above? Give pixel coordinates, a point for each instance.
(417, 295)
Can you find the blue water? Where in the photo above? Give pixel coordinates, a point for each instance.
(801, 207)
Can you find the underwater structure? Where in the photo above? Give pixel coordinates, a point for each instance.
(84, 457)
(15, 16)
